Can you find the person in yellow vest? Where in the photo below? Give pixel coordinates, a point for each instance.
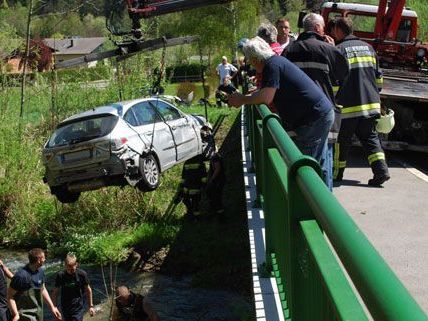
(359, 96)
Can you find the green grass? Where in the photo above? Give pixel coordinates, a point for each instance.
(104, 224)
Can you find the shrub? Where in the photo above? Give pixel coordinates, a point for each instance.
(188, 72)
(184, 89)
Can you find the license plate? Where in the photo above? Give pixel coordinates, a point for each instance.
(77, 156)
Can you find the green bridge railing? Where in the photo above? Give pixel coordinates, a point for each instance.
(299, 211)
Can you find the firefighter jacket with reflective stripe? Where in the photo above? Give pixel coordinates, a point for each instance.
(324, 64)
(194, 174)
(359, 94)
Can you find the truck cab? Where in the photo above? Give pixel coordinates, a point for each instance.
(397, 48)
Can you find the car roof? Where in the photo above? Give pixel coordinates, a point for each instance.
(116, 109)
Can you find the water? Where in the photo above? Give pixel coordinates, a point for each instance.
(173, 299)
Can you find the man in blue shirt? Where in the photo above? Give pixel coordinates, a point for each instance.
(27, 288)
(301, 104)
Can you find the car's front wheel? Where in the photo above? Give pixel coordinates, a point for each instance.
(65, 196)
(150, 174)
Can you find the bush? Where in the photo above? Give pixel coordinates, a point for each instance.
(179, 73)
(184, 89)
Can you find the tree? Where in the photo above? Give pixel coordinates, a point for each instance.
(40, 56)
(9, 40)
(214, 25)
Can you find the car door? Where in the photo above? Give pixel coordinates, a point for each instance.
(182, 129)
(154, 132)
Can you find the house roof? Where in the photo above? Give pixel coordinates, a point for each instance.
(73, 46)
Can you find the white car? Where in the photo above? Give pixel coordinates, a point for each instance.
(123, 143)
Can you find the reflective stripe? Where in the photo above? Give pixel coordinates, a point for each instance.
(359, 65)
(335, 89)
(291, 133)
(192, 166)
(353, 109)
(332, 135)
(312, 65)
(375, 157)
(356, 60)
(342, 164)
(379, 83)
(336, 160)
(362, 110)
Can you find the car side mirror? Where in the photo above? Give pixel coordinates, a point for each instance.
(302, 14)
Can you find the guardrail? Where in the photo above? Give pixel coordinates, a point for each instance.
(303, 222)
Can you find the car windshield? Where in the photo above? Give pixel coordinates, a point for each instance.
(82, 130)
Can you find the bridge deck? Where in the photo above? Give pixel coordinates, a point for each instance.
(394, 218)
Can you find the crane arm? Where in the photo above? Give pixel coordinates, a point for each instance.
(150, 8)
(388, 18)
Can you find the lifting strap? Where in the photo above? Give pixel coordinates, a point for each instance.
(158, 74)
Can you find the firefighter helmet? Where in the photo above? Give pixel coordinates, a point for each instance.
(386, 122)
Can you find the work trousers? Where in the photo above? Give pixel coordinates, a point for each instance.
(191, 201)
(214, 193)
(365, 130)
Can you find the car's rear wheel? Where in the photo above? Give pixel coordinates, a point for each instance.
(150, 174)
(65, 196)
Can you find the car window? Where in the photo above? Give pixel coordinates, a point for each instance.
(130, 118)
(167, 111)
(145, 113)
(82, 130)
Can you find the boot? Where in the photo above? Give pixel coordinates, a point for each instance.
(378, 180)
(339, 176)
(380, 173)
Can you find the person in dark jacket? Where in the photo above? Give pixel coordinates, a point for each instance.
(215, 183)
(4, 310)
(359, 96)
(315, 54)
(193, 181)
(132, 307)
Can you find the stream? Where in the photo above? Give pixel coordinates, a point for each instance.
(174, 299)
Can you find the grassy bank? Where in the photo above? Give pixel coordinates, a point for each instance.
(105, 225)
(29, 215)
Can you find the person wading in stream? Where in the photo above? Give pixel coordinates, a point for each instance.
(132, 307)
(4, 310)
(73, 283)
(27, 289)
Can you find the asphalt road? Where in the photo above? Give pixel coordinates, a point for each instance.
(394, 218)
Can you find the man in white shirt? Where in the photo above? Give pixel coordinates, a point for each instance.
(226, 71)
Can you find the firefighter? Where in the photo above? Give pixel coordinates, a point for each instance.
(314, 53)
(193, 180)
(359, 96)
(215, 184)
(216, 176)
